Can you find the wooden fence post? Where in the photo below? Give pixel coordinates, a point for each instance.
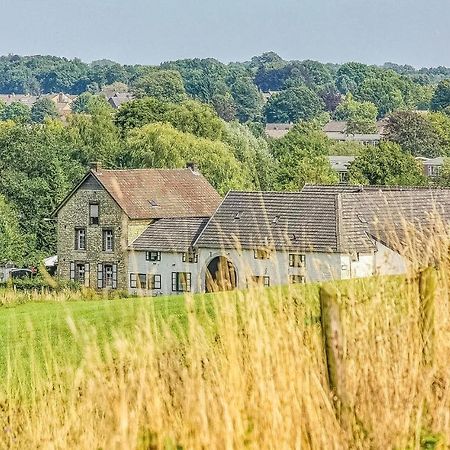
(333, 339)
(427, 291)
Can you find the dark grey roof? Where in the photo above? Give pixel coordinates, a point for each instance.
(325, 218)
(170, 235)
(281, 220)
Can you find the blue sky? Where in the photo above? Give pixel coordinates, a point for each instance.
(151, 31)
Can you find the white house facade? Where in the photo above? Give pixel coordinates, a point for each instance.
(279, 238)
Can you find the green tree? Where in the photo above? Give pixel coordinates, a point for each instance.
(441, 126)
(247, 98)
(190, 116)
(43, 108)
(414, 133)
(361, 117)
(302, 157)
(351, 76)
(12, 239)
(441, 97)
(90, 103)
(162, 146)
(165, 85)
(225, 106)
(17, 112)
(386, 164)
(294, 104)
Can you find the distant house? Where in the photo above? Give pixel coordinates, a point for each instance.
(120, 98)
(431, 166)
(279, 238)
(341, 165)
(63, 102)
(337, 131)
(278, 130)
(109, 209)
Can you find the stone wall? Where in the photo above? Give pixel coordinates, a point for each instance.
(75, 213)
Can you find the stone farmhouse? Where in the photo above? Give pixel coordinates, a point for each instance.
(109, 209)
(161, 232)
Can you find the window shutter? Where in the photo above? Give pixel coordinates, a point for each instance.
(72, 271)
(86, 274)
(100, 275)
(174, 281)
(114, 283)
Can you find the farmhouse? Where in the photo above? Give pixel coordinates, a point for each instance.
(276, 238)
(109, 209)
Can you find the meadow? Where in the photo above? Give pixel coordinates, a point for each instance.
(232, 370)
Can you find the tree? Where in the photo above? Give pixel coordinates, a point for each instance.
(89, 103)
(247, 98)
(12, 239)
(386, 164)
(162, 146)
(384, 90)
(361, 117)
(350, 77)
(441, 97)
(17, 112)
(165, 85)
(190, 116)
(293, 104)
(414, 133)
(36, 172)
(225, 107)
(441, 126)
(42, 109)
(301, 158)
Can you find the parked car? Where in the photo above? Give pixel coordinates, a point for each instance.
(16, 274)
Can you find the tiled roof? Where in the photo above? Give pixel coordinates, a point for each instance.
(171, 235)
(325, 218)
(281, 220)
(160, 193)
(340, 163)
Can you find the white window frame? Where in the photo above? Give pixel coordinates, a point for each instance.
(94, 219)
(108, 240)
(80, 239)
(297, 260)
(153, 256)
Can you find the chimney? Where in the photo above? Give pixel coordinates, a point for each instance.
(191, 165)
(95, 166)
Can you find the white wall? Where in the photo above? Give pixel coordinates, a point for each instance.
(388, 262)
(318, 267)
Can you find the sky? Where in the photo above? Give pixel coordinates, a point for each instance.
(414, 32)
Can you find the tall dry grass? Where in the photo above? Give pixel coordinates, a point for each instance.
(249, 374)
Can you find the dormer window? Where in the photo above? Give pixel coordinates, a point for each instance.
(262, 253)
(153, 203)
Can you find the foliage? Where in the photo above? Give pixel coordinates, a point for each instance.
(345, 148)
(414, 133)
(12, 240)
(441, 97)
(43, 108)
(441, 126)
(165, 85)
(190, 116)
(294, 104)
(89, 103)
(360, 116)
(17, 112)
(386, 164)
(302, 158)
(162, 146)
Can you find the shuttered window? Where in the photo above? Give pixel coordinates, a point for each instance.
(181, 281)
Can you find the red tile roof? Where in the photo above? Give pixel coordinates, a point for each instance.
(160, 193)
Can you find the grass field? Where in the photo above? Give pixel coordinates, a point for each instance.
(235, 370)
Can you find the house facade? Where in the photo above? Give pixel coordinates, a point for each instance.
(279, 238)
(109, 209)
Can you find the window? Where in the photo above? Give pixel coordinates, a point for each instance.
(434, 171)
(261, 280)
(108, 240)
(107, 276)
(93, 213)
(154, 281)
(142, 281)
(153, 256)
(133, 280)
(79, 271)
(190, 257)
(296, 260)
(262, 254)
(80, 238)
(296, 279)
(181, 282)
(343, 177)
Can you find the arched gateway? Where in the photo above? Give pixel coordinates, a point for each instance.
(220, 275)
